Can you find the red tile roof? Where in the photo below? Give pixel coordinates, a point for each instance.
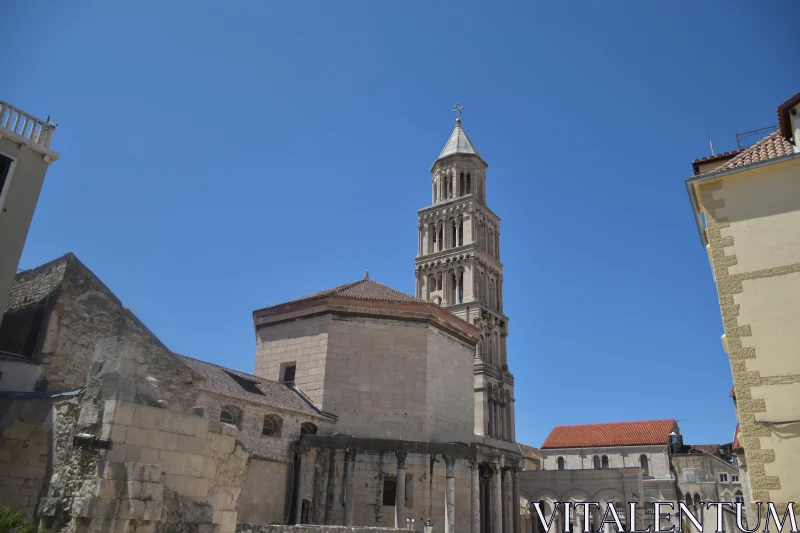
(712, 449)
(363, 289)
(770, 147)
(736, 444)
(713, 158)
(612, 434)
(529, 452)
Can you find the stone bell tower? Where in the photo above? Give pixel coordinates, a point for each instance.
(458, 267)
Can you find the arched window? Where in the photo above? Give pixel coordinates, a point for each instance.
(469, 185)
(230, 415)
(596, 462)
(605, 462)
(272, 425)
(697, 499)
(738, 497)
(688, 499)
(307, 428)
(560, 463)
(644, 464)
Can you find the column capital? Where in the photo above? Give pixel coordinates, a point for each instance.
(514, 472)
(449, 462)
(401, 459)
(473, 464)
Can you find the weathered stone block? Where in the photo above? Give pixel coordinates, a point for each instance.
(152, 510)
(108, 489)
(151, 473)
(99, 508)
(194, 512)
(134, 471)
(131, 509)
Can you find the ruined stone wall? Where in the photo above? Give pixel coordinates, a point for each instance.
(130, 400)
(82, 312)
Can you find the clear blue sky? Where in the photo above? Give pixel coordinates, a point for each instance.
(219, 157)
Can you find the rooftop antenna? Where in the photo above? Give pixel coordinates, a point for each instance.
(711, 143)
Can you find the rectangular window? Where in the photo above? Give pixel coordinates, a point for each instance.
(723, 478)
(5, 168)
(288, 372)
(734, 478)
(389, 489)
(688, 475)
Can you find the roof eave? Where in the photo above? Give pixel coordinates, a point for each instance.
(448, 156)
(693, 181)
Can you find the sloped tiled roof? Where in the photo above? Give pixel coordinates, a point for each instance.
(220, 380)
(364, 289)
(713, 449)
(611, 434)
(458, 143)
(529, 452)
(736, 444)
(770, 147)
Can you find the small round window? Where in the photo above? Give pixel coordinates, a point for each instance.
(271, 426)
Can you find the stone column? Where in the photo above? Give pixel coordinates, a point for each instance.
(475, 493)
(515, 495)
(298, 512)
(450, 495)
(400, 495)
(349, 474)
(504, 497)
(497, 501)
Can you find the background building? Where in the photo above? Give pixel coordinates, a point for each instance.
(747, 209)
(25, 156)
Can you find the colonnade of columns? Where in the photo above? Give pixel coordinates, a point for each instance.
(494, 494)
(446, 185)
(487, 287)
(450, 282)
(498, 495)
(487, 237)
(442, 235)
(492, 347)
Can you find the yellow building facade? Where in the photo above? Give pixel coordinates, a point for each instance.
(747, 207)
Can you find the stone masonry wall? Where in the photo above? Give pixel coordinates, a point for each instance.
(303, 342)
(23, 464)
(84, 312)
(154, 449)
(449, 394)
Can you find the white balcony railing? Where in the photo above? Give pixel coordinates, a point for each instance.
(21, 124)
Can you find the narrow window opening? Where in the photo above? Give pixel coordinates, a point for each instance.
(288, 371)
(307, 428)
(605, 462)
(645, 466)
(560, 463)
(596, 462)
(389, 489)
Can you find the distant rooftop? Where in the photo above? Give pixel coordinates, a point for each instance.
(611, 434)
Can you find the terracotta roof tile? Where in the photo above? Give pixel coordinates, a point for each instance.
(612, 434)
(736, 444)
(364, 289)
(529, 451)
(253, 389)
(770, 147)
(712, 449)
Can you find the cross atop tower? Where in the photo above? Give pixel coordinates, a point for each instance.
(458, 109)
